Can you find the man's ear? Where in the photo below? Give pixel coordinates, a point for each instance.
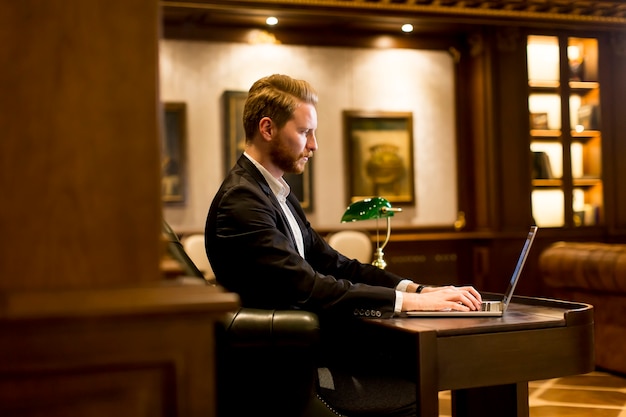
(265, 127)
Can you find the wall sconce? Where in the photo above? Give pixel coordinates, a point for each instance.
(368, 209)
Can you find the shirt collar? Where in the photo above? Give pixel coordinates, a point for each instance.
(279, 186)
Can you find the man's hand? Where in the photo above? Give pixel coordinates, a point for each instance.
(442, 298)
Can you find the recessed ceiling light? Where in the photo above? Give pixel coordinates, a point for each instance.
(407, 28)
(272, 20)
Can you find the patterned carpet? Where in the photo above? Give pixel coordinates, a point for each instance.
(597, 394)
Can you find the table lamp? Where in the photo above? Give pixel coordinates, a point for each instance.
(368, 209)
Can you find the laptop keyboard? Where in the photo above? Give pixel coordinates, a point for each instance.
(491, 306)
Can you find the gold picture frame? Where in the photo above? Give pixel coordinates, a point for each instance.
(174, 153)
(379, 149)
(234, 140)
(539, 121)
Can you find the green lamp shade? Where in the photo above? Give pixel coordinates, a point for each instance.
(368, 209)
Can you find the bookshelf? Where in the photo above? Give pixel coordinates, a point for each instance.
(565, 131)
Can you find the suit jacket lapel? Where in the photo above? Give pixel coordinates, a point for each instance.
(247, 165)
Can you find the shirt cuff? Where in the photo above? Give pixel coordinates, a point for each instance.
(403, 284)
(399, 298)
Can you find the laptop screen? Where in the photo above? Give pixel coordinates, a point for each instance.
(518, 268)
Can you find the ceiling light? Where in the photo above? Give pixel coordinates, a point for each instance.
(407, 28)
(272, 20)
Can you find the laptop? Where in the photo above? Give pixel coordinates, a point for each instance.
(490, 308)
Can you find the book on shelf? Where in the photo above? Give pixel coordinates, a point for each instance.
(541, 166)
(589, 117)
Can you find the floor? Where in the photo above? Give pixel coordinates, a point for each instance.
(597, 394)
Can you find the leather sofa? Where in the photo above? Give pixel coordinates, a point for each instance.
(594, 273)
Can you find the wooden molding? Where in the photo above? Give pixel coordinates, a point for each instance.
(612, 12)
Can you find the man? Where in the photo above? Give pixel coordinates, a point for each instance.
(261, 245)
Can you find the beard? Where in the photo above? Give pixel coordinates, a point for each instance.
(284, 159)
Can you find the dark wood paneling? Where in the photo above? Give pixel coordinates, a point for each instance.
(125, 352)
(79, 155)
(510, 119)
(384, 15)
(85, 392)
(613, 67)
(86, 326)
(438, 262)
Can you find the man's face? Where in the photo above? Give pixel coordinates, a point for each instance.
(293, 145)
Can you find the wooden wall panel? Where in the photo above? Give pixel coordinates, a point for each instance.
(613, 68)
(134, 354)
(79, 156)
(137, 392)
(87, 327)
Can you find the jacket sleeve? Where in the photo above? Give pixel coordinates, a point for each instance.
(252, 253)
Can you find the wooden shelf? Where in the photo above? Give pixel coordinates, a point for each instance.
(585, 134)
(583, 86)
(547, 183)
(586, 182)
(544, 84)
(545, 134)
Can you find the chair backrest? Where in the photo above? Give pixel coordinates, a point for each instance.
(194, 246)
(353, 244)
(176, 251)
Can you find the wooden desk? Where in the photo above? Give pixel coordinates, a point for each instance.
(487, 362)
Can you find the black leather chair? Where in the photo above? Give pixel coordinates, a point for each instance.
(266, 359)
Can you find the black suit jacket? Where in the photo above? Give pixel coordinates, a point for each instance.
(253, 253)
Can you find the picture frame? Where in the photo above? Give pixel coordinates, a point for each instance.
(539, 121)
(174, 153)
(234, 135)
(379, 155)
(234, 141)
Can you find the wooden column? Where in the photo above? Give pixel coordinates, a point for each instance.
(79, 156)
(87, 324)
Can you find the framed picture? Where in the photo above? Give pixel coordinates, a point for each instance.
(173, 153)
(234, 140)
(379, 149)
(539, 121)
(234, 135)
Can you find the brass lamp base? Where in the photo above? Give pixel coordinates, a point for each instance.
(379, 262)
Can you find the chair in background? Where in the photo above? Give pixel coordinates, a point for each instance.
(194, 247)
(353, 244)
(177, 252)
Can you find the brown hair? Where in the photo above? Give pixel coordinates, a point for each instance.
(276, 97)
